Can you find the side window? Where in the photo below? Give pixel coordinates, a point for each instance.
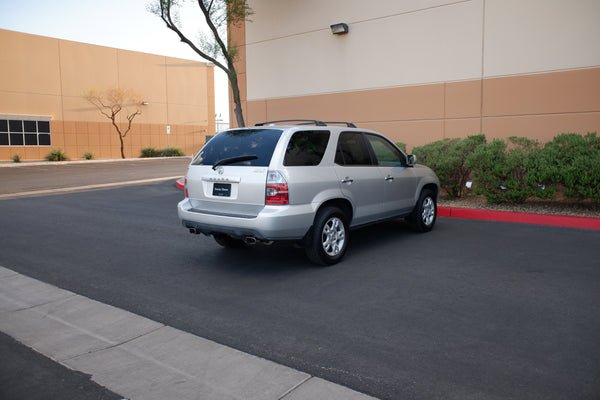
(306, 148)
(352, 150)
(385, 153)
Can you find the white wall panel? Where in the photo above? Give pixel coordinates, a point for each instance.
(292, 52)
(531, 36)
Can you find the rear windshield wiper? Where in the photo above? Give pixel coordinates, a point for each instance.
(233, 160)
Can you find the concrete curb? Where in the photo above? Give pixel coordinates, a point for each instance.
(505, 216)
(143, 359)
(524, 218)
(72, 162)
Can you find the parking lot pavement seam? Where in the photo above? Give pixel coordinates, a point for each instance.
(284, 395)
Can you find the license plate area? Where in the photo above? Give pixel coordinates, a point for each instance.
(221, 189)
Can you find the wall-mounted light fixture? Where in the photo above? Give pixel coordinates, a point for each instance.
(339, 29)
(144, 103)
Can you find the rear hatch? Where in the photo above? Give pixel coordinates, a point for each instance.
(228, 176)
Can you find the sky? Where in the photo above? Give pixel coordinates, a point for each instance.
(123, 24)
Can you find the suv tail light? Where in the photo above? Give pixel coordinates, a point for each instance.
(277, 189)
(185, 187)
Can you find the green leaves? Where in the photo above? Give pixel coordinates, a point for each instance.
(518, 168)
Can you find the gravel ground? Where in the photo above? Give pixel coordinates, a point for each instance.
(554, 207)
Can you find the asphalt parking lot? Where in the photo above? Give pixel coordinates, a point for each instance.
(474, 309)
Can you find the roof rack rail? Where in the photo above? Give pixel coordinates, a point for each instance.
(308, 121)
(348, 124)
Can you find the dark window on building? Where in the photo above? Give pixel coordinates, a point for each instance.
(15, 126)
(16, 139)
(30, 126)
(306, 148)
(24, 132)
(43, 126)
(3, 132)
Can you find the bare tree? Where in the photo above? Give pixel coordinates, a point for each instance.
(111, 102)
(218, 15)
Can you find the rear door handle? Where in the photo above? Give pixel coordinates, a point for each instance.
(389, 178)
(347, 180)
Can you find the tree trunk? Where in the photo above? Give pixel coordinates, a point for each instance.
(235, 91)
(122, 152)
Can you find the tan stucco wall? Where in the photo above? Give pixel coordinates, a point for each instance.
(46, 76)
(423, 70)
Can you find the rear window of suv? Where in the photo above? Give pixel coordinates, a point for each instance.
(306, 148)
(259, 143)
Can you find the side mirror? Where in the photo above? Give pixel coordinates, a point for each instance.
(411, 160)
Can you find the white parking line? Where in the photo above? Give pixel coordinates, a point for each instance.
(44, 192)
(142, 359)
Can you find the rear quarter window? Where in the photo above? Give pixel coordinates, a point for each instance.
(306, 148)
(240, 142)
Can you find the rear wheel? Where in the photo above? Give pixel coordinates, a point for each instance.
(424, 215)
(228, 241)
(328, 238)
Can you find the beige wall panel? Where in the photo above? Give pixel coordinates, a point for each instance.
(541, 127)
(398, 50)
(21, 56)
(413, 133)
(144, 73)
(31, 104)
(540, 35)
(153, 113)
(257, 112)
(76, 108)
(187, 115)
(461, 128)
(462, 99)
(404, 103)
(279, 18)
(186, 81)
(84, 66)
(560, 92)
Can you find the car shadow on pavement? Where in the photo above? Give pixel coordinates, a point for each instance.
(283, 258)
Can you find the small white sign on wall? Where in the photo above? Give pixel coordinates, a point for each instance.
(168, 129)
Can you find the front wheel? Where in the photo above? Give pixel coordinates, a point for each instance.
(424, 214)
(328, 238)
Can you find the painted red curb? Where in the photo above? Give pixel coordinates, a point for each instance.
(524, 218)
(503, 216)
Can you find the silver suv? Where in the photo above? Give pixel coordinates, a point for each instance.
(309, 182)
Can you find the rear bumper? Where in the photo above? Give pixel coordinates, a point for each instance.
(272, 223)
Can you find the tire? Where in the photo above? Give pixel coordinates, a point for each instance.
(328, 239)
(423, 217)
(227, 241)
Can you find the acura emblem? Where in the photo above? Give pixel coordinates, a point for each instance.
(220, 170)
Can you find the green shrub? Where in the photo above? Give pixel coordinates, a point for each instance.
(88, 155)
(17, 158)
(509, 171)
(57, 155)
(171, 152)
(447, 159)
(573, 161)
(149, 152)
(168, 152)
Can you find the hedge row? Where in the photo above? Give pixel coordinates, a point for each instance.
(168, 152)
(518, 168)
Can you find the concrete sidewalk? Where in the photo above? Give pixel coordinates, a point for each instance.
(140, 358)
